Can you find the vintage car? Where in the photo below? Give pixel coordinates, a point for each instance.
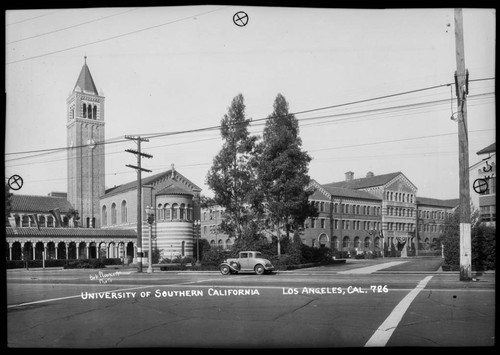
(247, 261)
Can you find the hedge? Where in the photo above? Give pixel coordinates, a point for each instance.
(67, 264)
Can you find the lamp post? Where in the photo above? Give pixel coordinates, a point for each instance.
(151, 217)
(197, 224)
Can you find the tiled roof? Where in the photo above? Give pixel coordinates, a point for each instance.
(489, 149)
(85, 82)
(438, 203)
(350, 193)
(363, 183)
(174, 190)
(71, 232)
(145, 181)
(40, 204)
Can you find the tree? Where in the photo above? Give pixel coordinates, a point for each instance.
(231, 177)
(73, 214)
(282, 171)
(482, 241)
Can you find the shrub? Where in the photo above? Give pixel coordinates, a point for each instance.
(85, 264)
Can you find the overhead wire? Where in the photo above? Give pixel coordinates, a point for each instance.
(115, 37)
(253, 122)
(69, 27)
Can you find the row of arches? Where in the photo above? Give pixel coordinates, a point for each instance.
(401, 212)
(69, 250)
(89, 111)
(114, 216)
(174, 211)
(348, 208)
(431, 214)
(26, 220)
(399, 196)
(363, 244)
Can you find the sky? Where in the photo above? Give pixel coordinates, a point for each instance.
(374, 84)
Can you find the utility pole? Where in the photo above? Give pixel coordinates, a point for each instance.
(462, 90)
(139, 169)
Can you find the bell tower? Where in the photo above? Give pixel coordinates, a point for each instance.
(85, 141)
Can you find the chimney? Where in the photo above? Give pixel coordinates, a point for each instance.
(370, 174)
(349, 176)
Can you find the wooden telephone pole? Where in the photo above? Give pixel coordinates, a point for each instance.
(139, 169)
(461, 86)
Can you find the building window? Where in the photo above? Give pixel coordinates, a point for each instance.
(160, 213)
(123, 211)
(313, 222)
(104, 221)
(182, 210)
(174, 211)
(113, 213)
(322, 207)
(84, 110)
(166, 212)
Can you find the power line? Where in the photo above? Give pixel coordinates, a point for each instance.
(394, 140)
(114, 37)
(69, 27)
(51, 150)
(32, 18)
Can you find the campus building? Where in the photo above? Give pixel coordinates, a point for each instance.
(175, 201)
(108, 219)
(46, 224)
(373, 212)
(485, 184)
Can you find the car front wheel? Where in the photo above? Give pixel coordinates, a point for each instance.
(259, 270)
(225, 270)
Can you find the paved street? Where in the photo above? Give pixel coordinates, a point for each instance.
(361, 303)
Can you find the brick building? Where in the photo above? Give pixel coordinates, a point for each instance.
(358, 215)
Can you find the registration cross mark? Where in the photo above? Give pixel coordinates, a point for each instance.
(15, 182)
(480, 185)
(240, 19)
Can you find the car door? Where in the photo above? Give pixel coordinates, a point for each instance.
(244, 260)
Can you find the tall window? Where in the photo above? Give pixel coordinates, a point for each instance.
(123, 211)
(166, 210)
(175, 207)
(84, 110)
(160, 213)
(182, 211)
(94, 112)
(113, 213)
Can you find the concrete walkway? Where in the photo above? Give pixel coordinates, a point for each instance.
(372, 268)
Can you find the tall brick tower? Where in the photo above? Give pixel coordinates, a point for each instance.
(85, 134)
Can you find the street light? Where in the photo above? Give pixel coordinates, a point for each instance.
(197, 223)
(151, 217)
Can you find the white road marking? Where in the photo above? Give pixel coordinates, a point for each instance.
(373, 268)
(384, 332)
